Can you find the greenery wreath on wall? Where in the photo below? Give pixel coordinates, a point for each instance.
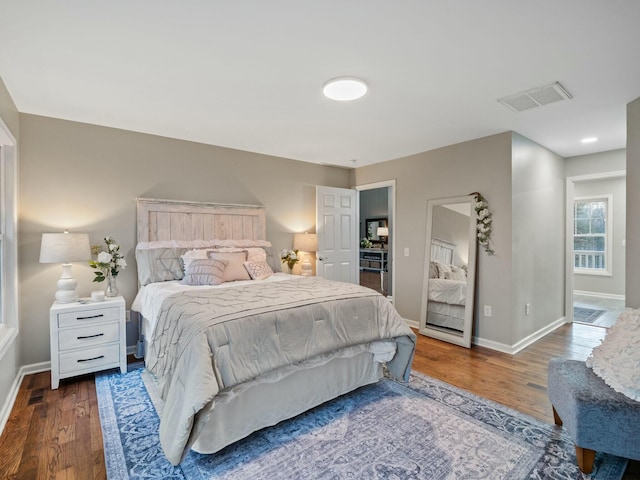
(483, 223)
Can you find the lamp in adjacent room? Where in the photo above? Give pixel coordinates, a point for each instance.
(308, 243)
(383, 233)
(65, 248)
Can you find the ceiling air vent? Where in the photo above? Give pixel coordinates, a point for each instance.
(536, 97)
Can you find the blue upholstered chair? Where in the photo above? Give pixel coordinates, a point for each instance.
(596, 417)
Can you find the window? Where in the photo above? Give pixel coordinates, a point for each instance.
(592, 235)
(8, 241)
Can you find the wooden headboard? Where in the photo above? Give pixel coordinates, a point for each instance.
(177, 220)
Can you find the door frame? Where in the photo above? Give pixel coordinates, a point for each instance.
(392, 225)
(570, 194)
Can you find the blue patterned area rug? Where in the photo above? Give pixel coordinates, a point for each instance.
(426, 430)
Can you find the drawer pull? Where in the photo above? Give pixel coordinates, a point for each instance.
(90, 359)
(84, 337)
(91, 317)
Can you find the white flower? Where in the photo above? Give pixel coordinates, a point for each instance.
(121, 262)
(104, 257)
(113, 246)
(480, 205)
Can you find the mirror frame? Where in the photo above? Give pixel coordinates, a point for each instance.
(463, 339)
(374, 235)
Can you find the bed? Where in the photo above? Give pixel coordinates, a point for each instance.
(447, 296)
(234, 355)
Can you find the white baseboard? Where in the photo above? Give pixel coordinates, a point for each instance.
(15, 386)
(411, 323)
(525, 342)
(503, 347)
(610, 296)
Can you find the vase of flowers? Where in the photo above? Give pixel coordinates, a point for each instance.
(290, 257)
(107, 264)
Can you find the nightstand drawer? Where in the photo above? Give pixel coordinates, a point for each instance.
(80, 317)
(88, 336)
(93, 358)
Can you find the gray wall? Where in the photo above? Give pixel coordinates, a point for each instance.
(613, 284)
(482, 165)
(538, 237)
(10, 361)
(632, 288)
(86, 178)
(524, 185)
(601, 162)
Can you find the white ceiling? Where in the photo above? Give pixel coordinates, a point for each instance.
(249, 74)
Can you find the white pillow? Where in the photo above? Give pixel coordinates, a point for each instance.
(195, 254)
(617, 359)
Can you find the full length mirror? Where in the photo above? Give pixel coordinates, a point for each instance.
(449, 270)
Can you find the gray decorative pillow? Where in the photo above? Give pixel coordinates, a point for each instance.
(258, 270)
(205, 272)
(273, 259)
(235, 265)
(159, 265)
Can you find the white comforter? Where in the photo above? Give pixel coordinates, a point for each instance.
(207, 341)
(453, 292)
(148, 301)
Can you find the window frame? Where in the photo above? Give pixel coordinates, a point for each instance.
(9, 321)
(608, 236)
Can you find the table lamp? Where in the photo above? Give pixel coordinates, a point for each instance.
(383, 233)
(65, 248)
(308, 243)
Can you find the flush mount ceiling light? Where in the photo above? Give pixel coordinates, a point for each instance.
(344, 89)
(589, 139)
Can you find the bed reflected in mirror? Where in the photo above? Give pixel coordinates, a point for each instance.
(449, 270)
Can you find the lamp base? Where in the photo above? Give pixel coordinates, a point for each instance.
(67, 292)
(305, 269)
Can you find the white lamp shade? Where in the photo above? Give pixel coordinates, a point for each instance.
(65, 248)
(305, 242)
(383, 231)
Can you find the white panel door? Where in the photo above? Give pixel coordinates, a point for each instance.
(337, 228)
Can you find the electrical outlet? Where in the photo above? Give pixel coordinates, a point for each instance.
(127, 316)
(406, 251)
(527, 309)
(487, 310)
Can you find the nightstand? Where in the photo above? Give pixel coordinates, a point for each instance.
(87, 337)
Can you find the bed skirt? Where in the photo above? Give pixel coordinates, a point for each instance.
(253, 409)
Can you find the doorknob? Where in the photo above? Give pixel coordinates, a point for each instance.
(321, 258)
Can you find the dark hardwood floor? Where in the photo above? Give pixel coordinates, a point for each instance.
(55, 434)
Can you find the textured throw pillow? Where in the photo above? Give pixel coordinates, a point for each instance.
(617, 359)
(205, 272)
(159, 265)
(195, 254)
(444, 271)
(258, 270)
(433, 270)
(235, 265)
(256, 254)
(458, 273)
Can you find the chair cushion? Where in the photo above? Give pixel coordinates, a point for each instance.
(596, 416)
